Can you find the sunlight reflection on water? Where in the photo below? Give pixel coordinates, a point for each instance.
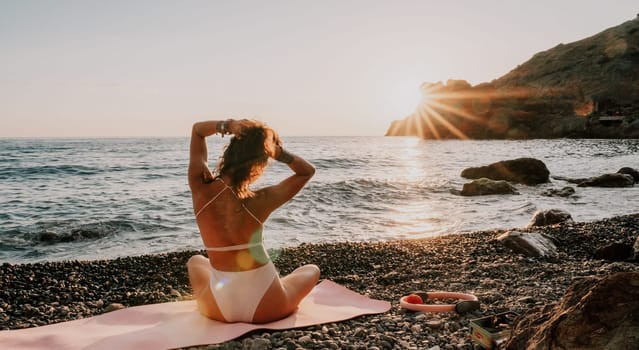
(118, 198)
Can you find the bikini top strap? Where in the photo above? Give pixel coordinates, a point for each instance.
(251, 214)
(244, 206)
(233, 247)
(219, 193)
(214, 197)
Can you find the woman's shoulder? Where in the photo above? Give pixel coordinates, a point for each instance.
(260, 201)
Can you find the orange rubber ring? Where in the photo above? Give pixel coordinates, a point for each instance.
(436, 307)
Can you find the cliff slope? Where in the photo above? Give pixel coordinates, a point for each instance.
(588, 88)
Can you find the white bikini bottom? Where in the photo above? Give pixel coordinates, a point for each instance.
(238, 294)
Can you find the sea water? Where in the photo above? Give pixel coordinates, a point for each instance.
(77, 199)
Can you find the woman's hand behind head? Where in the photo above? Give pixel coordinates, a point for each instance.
(273, 143)
(236, 127)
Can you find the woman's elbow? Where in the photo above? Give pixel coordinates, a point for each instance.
(306, 174)
(195, 129)
(311, 171)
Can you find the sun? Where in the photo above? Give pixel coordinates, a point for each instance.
(435, 106)
(403, 99)
(454, 110)
(429, 93)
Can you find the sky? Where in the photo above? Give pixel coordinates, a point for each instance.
(114, 68)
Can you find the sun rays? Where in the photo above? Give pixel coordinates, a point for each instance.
(432, 113)
(456, 111)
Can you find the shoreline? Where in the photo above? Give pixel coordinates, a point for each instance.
(42, 293)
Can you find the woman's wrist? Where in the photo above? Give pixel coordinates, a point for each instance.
(222, 127)
(284, 156)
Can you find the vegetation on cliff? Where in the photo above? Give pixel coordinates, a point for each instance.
(587, 88)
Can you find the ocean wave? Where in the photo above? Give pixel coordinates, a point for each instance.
(52, 232)
(46, 171)
(64, 231)
(115, 197)
(373, 194)
(7, 160)
(340, 163)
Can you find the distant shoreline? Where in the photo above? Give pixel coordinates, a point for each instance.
(468, 262)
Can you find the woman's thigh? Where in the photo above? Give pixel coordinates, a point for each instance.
(300, 282)
(199, 269)
(199, 272)
(285, 294)
(274, 304)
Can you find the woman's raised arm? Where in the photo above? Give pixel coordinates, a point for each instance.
(198, 155)
(199, 171)
(289, 187)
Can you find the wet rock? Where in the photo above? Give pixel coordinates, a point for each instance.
(595, 313)
(550, 217)
(484, 186)
(527, 171)
(532, 244)
(70, 236)
(609, 180)
(563, 192)
(570, 179)
(629, 171)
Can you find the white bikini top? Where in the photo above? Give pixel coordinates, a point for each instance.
(231, 247)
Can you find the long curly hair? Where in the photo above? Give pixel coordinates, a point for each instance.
(246, 157)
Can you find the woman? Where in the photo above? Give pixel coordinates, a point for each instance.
(238, 282)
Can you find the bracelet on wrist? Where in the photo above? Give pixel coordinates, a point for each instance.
(222, 127)
(285, 156)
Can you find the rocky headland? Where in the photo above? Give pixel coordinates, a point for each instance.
(584, 89)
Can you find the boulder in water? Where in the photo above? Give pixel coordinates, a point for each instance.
(629, 171)
(485, 186)
(609, 180)
(564, 192)
(527, 171)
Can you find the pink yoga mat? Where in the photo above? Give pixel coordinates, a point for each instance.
(179, 324)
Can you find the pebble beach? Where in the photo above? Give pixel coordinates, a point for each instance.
(43, 293)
